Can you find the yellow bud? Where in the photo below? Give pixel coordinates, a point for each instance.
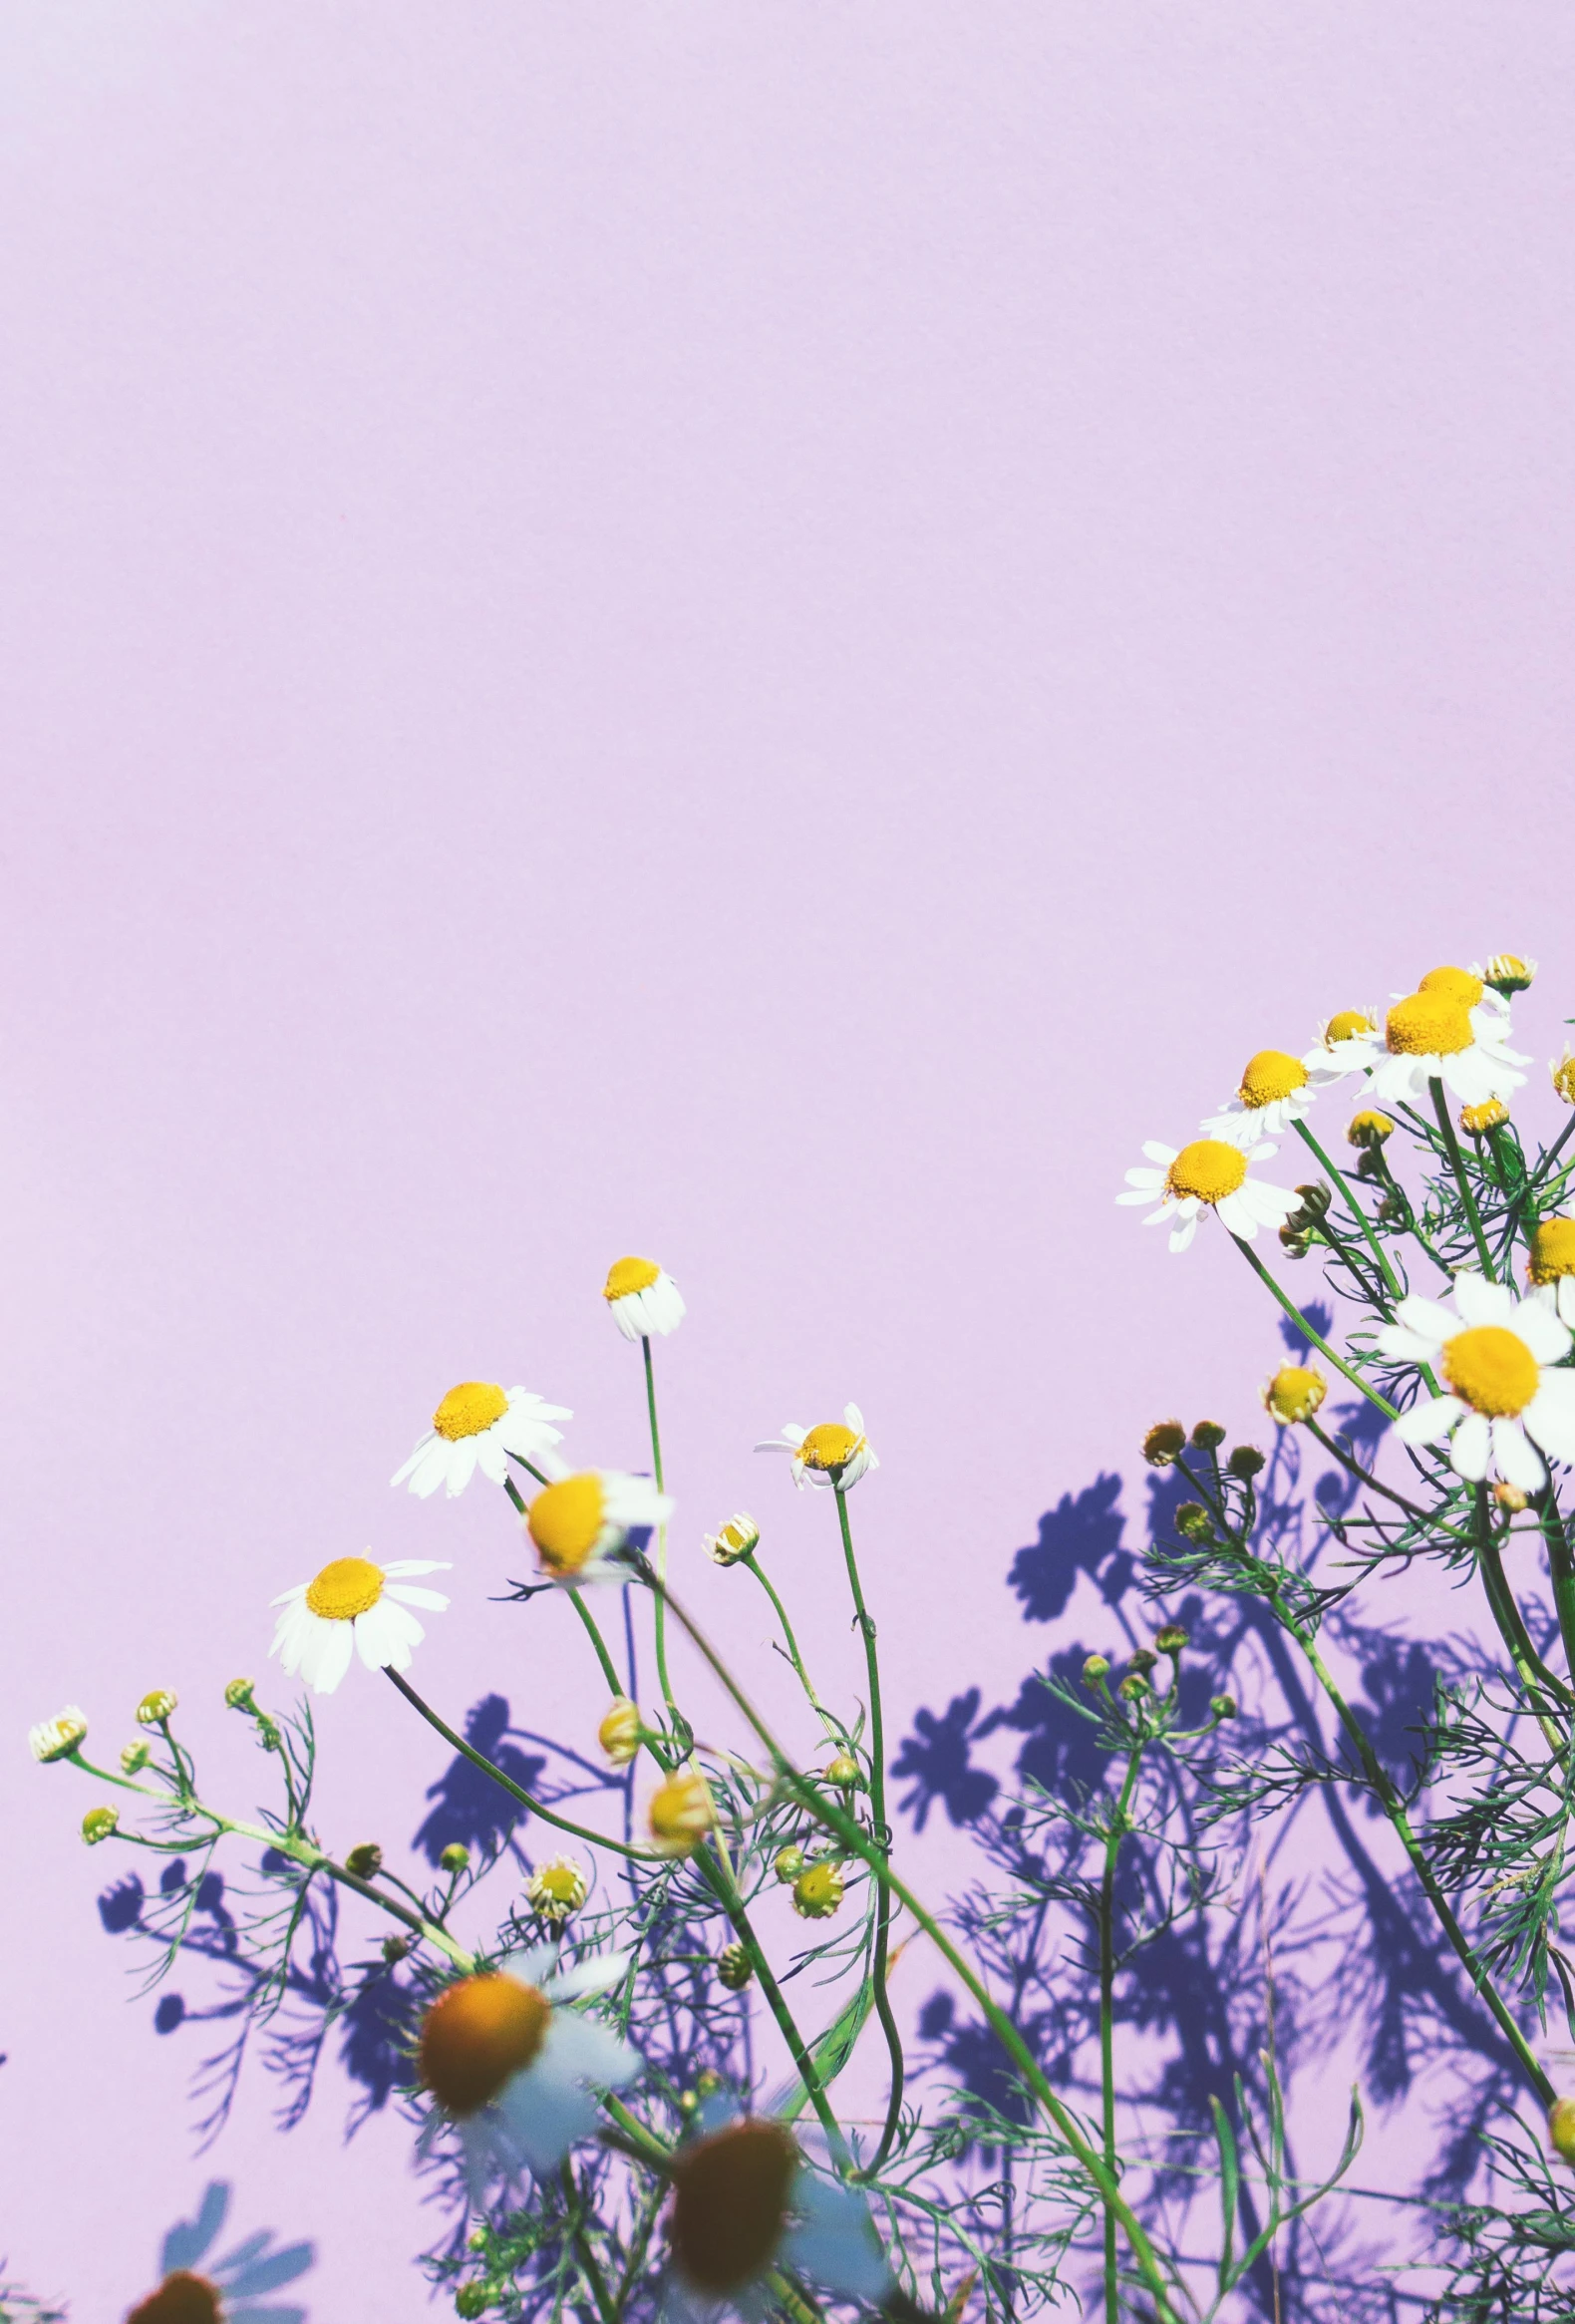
(1295, 1392)
(619, 1732)
(680, 1814)
(817, 1891)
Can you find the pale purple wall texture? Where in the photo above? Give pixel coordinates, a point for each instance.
(761, 632)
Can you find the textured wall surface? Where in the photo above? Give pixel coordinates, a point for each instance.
(765, 634)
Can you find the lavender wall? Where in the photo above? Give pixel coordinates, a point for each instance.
(765, 635)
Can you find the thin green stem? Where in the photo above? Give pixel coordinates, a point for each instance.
(1112, 1850)
(608, 1667)
(315, 1860)
(1562, 1568)
(1533, 1673)
(663, 1679)
(882, 1836)
(639, 1855)
(1336, 1450)
(1308, 1333)
(1353, 1205)
(1440, 1107)
(752, 1562)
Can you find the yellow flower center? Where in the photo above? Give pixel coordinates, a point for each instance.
(182, 2298)
(1492, 1369)
(730, 2203)
(1561, 2130)
(1268, 1075)
(1552, 1251)
(1295, 1392)
(1428, 1025)
(346, 1588)
(817, 1892)
(830, 1446)
(1348, 1025)
(626, 1276)
(1208, 1169)
(1456, 984)
(1477, 1120)
(477, 2034)
(561, 1883)
(469, 1409)
(1369, 1127)
(567, 1520)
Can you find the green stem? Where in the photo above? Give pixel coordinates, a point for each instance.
(1451, 1143)
(882, 1835)
(663, 1679)
(315, 1860)
(1112, 1850)
(608, 1668)
(590, 2267)
(1354, 1207)
(639, 1855)
(1337, 1452)
(835, 1821)
(794, 1657)
(1563, 1573)
(1307, 1331)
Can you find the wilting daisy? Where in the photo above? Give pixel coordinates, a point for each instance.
(1208, 1175)
(1345, 1043)
(1438, 1033)
(229, 2290)
(1498, 1355)
(477, 1425)
(1550, 1269)
(353, 1606)
(579, 1522)
(834, 1453)
(642, 1299)
(1276, 1089)
(58, 1738)
(512, 2068)
(738, 1537)
(744, 2203)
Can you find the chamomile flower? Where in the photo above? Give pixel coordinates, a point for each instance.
(558, 1889)
(1346, 1042)
(1551, 1268)
(1504, 1397)
(579, 1522)
(1276, 1089)
(513, 2067)
(1207, 1175)
(746, 2202)
(477, 1425)
(236, 2289)
(1437, 1034)
(58, 1738)
(642, 1298)
(1506, 973)
(834, 1453)
(355, 1606)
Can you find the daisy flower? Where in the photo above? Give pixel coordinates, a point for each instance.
(1276, 1089)
(353, 1604)
(1506, 973)
(512, 2068)
(1345, 1043)
(642, 1299)
(477, 1425)
(1498, 1356)
(557, 1888)
(1440, 1032)
(1550, 1269)
(230, 2289)
(744, 2203)
(580, 1522)
(738, 1537)
(54, 1739)
(1208, 1175)
(1562, 1069)
(834, 1453)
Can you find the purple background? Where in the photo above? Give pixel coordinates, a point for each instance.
(765, 634)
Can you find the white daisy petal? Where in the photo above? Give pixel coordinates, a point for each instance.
(1470, 1448)
(1483, 1302)
(1550, 1415)
(1429, 1421)
(1539, 1326)
(1426, 1319)
(1516, 1459)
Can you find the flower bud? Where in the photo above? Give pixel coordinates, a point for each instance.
(1477, 1120)
(1391, 1209)
(1370, 1165)
(708, 2081)
(1224, 1706)
(1134, 1687)
(558, 1889)
(366, 1860)
(267, 1731)
(1140, 1659)
(1096, 1669)
(1209, 1436)
(97, 1825)
(680, 1814)
(395, 1949)
(54, 1739)
(737, 1539)
(1162, 1443)
(1295, 1392)
(1563, 1070)
(456, 1858)
(1509, 1497)
(1316, 1199)
(239, 1694)
(1509, 974)
(135, 1756)
(787, 1864)
(688, 2102)
(619, 1732)
(817, 1891)
(472, 2299)
(1194, 1522)
(1561, 2129)
(1368, 1130)
(1245, 1462)
(156, 1708)
(1293, 1242)
(843, 1773)
(734, 1968)
(1171, 1638)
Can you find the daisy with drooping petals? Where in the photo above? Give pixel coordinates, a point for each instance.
(1551, 1268)
(1345, 1044)
(477, 1425)
(1208, 1175)
(580, 1522)
(834, 1453)
(353, 1606)
(1505, 974)
(513, 2069)
(746, 2202)
(1498, 1355)
(642, 1299)
(54, 1739)
(1276, 1089)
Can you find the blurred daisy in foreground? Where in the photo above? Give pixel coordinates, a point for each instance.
(512, 2068)
(1275, 1090)
(229, 2289)
(747, 2203)
(1207, 1175)
(580, 1522)
(1550, 1269)
(477, 1425)
(642, 1299)
(1498, 1356)
(834, 1453)
(355, 1606)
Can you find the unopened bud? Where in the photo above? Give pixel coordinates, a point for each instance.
(1295, 1392)
(1391, 1210)
(1245, 1462)
(1208, 1435)
(456, 1858)
(1194, 1522)
(1096, 1669)
(1477, 1120)
(1369, 1128)
(708, 2081)
(1171, 1638)
(817, 1891)
(787, 1864)
(157, 1707)
(1224, 1706)
(366, 1862)
(395, 1949)
(1509, 974)
(1134, 1687)
(238, 1694)
(1509, 1497)
(1140, 1659)
(738, 1537)
(1561, 2129)
(135, 1756)
(843, 1773)
(1162, 1443)
(472, 2299)
(98, 1824)
(734, 1968)
(1293, 1242)
(619, 1732)
(1370, 1165)
(1316, 1199)
(54, 1739)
